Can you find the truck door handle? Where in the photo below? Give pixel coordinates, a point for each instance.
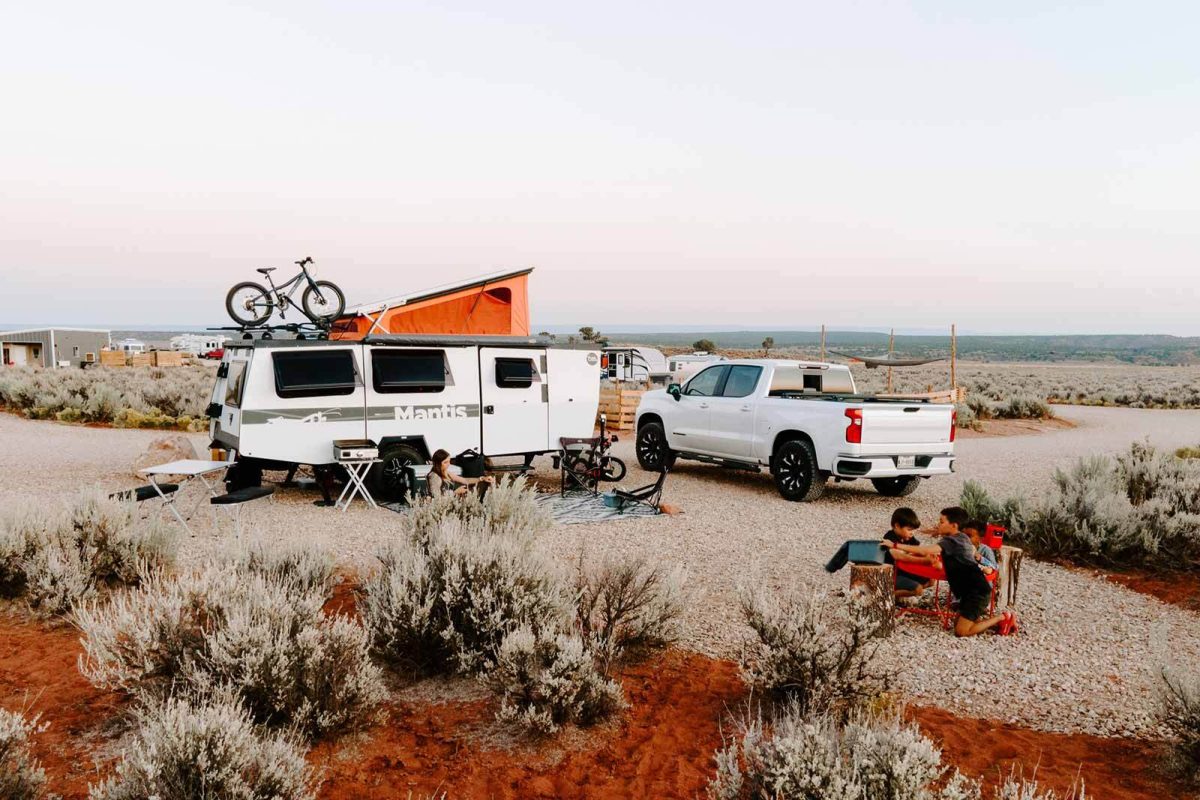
(747, 408)
(704, 405)
(489, 409)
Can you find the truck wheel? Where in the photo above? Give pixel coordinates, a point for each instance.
(389, 478)
(896, 487)
(796, 473)
(652, 451)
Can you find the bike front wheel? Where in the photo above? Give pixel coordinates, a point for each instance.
(613, 470)
(249, 304)
(323, 300)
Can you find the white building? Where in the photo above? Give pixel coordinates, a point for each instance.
(198, 344)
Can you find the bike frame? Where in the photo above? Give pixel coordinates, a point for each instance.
(281, 300)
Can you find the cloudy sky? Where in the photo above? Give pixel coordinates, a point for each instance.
(1013, 167)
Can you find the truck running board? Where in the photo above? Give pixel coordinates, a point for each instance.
(721, 462)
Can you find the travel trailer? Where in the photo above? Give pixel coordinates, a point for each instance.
(280, 403)
(685, 366)
(635, 365)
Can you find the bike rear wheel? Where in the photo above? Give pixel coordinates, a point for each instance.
(323, 300)
(249, 304)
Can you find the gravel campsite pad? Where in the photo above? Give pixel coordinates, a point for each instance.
(1085, 660)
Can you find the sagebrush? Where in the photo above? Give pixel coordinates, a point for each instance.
(818, 651)
(207, 749)
(130, 398)
(255, 635)
(21, 776)
(1179, 711)
(1137, 508)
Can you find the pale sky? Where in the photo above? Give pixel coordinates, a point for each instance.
(1013, 167)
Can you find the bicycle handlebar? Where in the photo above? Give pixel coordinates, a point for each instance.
(303, 261)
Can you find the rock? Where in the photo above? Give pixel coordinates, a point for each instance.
(162, 450)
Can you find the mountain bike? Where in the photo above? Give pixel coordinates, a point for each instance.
(250, 304)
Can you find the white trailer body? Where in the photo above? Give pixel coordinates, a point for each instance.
(284, 402)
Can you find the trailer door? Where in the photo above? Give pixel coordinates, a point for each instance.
(574, 383)
(515, 401)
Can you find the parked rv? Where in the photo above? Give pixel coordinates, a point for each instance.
(280, 403)
(635, 365)
(683, 367)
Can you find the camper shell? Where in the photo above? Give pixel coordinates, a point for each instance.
(282, 402)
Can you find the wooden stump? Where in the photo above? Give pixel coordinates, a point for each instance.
(1008, 577)
(877, 584)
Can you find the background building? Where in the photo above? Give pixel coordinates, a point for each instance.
(53, 347)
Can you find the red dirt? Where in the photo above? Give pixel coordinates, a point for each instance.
(993, 428)
(1116, 769)
(663, 747)
(39, 675)
(1177, 588)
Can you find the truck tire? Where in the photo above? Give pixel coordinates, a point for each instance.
(653, 454)
(902, 486)
(389, 479)
(797, 476)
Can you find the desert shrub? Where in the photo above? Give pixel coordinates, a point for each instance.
(625, 607)
(305, 565)
(190, 749)
(1022, 407)
(59, 557)
(547, 680)
(813, 649)
(1188, 453)
(1018, 787)
(803, 756)
(21, 776)
(510, 508)
(444, 600)
(1179, 711)
(966, 417)
(255, 635)
(1139, 508)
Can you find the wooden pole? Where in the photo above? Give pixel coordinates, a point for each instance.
(891, 349)
(822, 342)
(953, 357)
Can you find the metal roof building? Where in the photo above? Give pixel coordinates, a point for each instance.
(53, 347)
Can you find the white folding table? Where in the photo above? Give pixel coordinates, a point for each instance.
(356, 483)
(188, 469)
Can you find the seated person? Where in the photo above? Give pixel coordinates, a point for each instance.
(441, 480)
(985, 555)
(963, 573)
(904, 522)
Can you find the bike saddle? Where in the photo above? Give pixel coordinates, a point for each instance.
(265, 270)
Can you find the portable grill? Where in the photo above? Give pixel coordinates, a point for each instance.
(354, 450)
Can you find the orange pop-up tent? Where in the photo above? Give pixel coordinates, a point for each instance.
(491, 304)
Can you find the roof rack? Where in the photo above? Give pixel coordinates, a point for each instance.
(301, 330)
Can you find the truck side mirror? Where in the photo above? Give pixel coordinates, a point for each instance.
(675, 391)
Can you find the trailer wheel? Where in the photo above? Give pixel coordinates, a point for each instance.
(902, 486)
(389, 477)
(797, 476)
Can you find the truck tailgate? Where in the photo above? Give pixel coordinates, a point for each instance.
(904, 424)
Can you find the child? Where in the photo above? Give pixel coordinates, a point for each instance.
(963, 574)
(904, 522)
(984, 555)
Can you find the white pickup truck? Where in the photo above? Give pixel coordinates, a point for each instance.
(804, 421)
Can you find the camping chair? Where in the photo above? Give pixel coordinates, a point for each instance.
(649, 495)
(578, 466)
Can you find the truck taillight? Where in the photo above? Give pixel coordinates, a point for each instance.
(854, 425)
(953, 423)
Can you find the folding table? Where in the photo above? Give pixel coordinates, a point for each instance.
(356, 483)
(188, 469)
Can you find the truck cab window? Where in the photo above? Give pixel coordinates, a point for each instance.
(318, 373)
(741, 381)
(707, 383)
(515, 373)
(409, 371)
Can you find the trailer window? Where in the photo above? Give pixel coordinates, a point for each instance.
(515, 373)
(314, 374)
(234, 383)
(409, 371)
(741, 381)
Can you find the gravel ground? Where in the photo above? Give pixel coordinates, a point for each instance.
(1085, 660)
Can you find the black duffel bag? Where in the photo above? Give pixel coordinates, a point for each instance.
(470, 462)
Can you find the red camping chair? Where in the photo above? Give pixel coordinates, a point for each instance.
(940, 610)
